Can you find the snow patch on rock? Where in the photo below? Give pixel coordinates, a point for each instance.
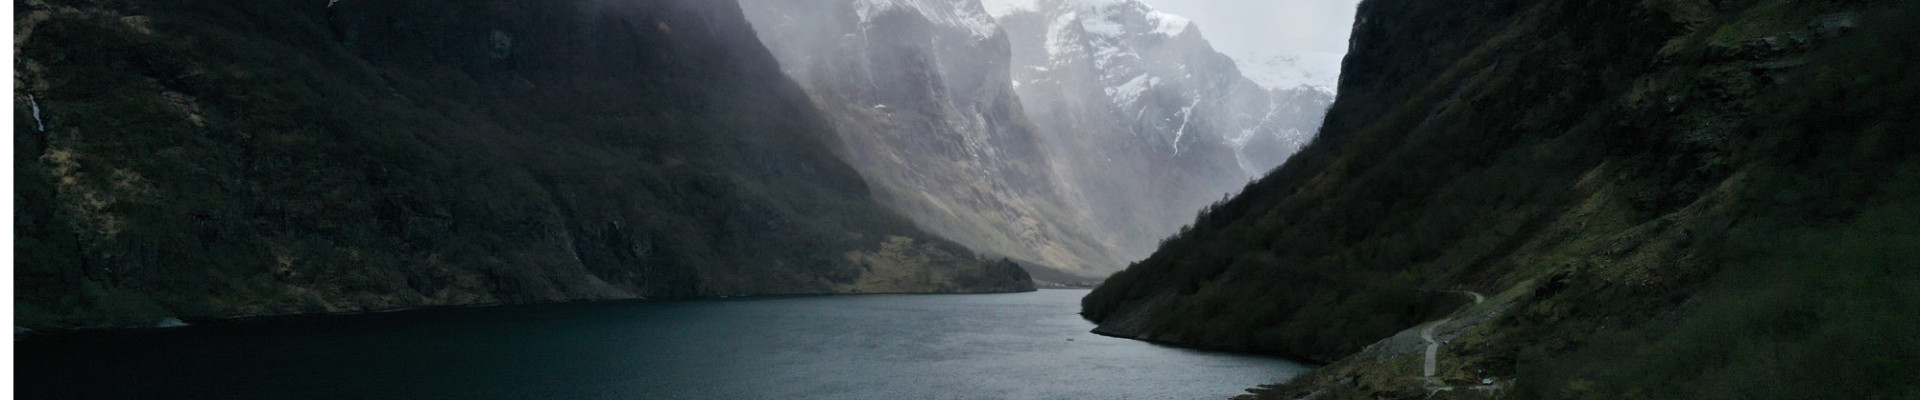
(965, 14)
(1128, 93)
(1186, 116)
(1060, 39)
(1111, 17)
(1000, 8)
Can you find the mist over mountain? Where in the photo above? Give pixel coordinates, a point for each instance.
(1276, 43)
(919, 94)
(214, 158)
(1539, 199)
(1148, 121)
(1077, 147)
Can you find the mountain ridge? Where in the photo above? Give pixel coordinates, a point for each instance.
(1655, 197)
(336, 156)
(919, 94)
(1154, 122)
(897, 75)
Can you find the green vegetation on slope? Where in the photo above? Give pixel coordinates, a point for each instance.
(1674, 199)
(215, 158)
(1814, 292)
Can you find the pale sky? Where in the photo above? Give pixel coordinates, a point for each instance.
(1256, 32)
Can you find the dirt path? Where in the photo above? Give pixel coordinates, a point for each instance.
(1433, 347)
(1477, 298)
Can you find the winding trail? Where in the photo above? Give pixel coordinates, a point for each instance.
(1433, 347)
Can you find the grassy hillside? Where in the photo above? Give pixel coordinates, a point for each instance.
(214, 158)
(1663, 199)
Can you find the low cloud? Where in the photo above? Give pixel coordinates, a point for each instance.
(1277, 42)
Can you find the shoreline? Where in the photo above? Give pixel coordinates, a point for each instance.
(173, 323)
(1214, 348)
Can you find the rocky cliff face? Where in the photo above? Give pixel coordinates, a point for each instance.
(919, 92)
(1147, 122)
(203, 159)
(1075, 137)
(1663, 199)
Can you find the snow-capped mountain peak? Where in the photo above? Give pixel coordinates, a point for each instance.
(1155, 97)
(1113, 18)
(964, 14)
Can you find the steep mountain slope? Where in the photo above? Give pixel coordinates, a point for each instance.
(1146, 122)
(918, 91)
(1660, 199)
(214, 158)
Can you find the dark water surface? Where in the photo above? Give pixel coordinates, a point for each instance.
(1003, 346)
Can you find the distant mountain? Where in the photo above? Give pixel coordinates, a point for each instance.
(1311, 69)
(1146, 121)
(218, 158)
(919, 93)
(1073, 145)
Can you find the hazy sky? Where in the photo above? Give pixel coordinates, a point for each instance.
(1255, 32)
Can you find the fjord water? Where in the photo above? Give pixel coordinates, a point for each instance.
(1012, 346)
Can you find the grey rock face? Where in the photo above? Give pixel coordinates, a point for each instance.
(920, 95)
(1074, 136)
(1154, 124)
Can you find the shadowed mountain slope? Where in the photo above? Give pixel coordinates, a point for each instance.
(1661, 199)
(210, 158)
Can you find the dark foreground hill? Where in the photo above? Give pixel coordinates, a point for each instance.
(214, 158)
(1661, 199)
